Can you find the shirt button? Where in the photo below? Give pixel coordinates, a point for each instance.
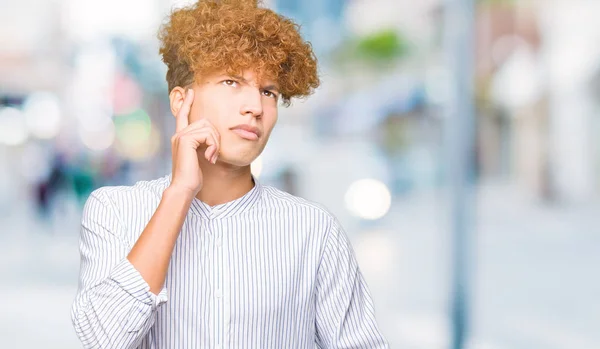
(218, 293)
(218, 242)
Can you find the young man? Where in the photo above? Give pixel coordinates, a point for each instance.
(207, 257)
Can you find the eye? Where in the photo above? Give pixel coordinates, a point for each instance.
(269, 94)
(229, 82)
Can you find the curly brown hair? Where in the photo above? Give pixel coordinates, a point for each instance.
(234, 35)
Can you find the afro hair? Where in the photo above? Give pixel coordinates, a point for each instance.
(234, 35)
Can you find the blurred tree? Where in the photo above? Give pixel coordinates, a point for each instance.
(380, 48)
(383, 45)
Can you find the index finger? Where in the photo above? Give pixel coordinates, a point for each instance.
(182, 116)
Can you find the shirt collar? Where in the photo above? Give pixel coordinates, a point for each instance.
(228, 209)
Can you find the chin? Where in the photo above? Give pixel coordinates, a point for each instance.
(237, 160)
(240, 155)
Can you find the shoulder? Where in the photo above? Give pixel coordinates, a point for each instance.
(126, 202)
(123, 210)
(277, 199)
(321, 223)
(115, 195)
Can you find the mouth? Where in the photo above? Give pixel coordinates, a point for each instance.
(247, 132)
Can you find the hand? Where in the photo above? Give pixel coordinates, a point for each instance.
(185, 143)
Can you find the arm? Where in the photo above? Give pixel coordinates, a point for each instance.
(114, 306)
(117, 295)
(345, 314)
(118, 288)
(152, 252)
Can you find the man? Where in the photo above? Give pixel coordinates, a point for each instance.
(207, 257)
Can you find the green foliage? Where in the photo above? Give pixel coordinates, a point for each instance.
(379, 49)
(383, 45)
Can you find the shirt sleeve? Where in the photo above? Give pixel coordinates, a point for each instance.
(345, 316)
(114, 307)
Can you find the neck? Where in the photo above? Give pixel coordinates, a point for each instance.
(222, 183)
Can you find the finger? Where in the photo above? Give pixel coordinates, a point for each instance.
(215, 156)
(213, 131)
(209, 154)
(212, 149)
(216, 133)
(205, 136)
(217, 138)
(211, 146)
(217, 147)
(199, 124)
(184, 112)
(196, 128)
(203, 125)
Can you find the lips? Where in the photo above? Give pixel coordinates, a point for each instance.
(247, 132)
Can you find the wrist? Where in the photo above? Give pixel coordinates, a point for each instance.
(182, 193)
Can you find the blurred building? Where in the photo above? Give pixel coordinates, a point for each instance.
(321, 21)
(537, 104)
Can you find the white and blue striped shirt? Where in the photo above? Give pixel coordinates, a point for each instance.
(267, 270)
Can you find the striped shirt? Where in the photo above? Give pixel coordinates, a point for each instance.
(267, 270)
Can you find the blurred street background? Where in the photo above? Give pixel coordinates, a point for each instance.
(84, 104)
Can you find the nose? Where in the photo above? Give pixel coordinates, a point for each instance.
(252, 103)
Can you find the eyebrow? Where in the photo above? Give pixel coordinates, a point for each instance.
(271, 88)
(238, 77)
(268, 87)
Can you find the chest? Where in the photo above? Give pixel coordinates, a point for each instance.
(243, 271)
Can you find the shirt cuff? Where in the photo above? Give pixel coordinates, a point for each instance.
(132, 282)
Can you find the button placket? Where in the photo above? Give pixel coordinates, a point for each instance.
(216, 239)
(218, 288)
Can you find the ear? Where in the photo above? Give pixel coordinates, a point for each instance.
(176, 97)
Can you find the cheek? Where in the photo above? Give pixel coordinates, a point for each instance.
(209, 111)
(270, 119)
(197, 111)
(194, 114)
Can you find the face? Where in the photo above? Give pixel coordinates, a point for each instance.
(241, 108)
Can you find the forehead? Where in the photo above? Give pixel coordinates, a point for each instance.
(250, 75)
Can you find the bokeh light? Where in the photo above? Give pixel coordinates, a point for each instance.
(43, 115)
(100, 138)
(368, 199)
(13, 129)
(137, 138)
